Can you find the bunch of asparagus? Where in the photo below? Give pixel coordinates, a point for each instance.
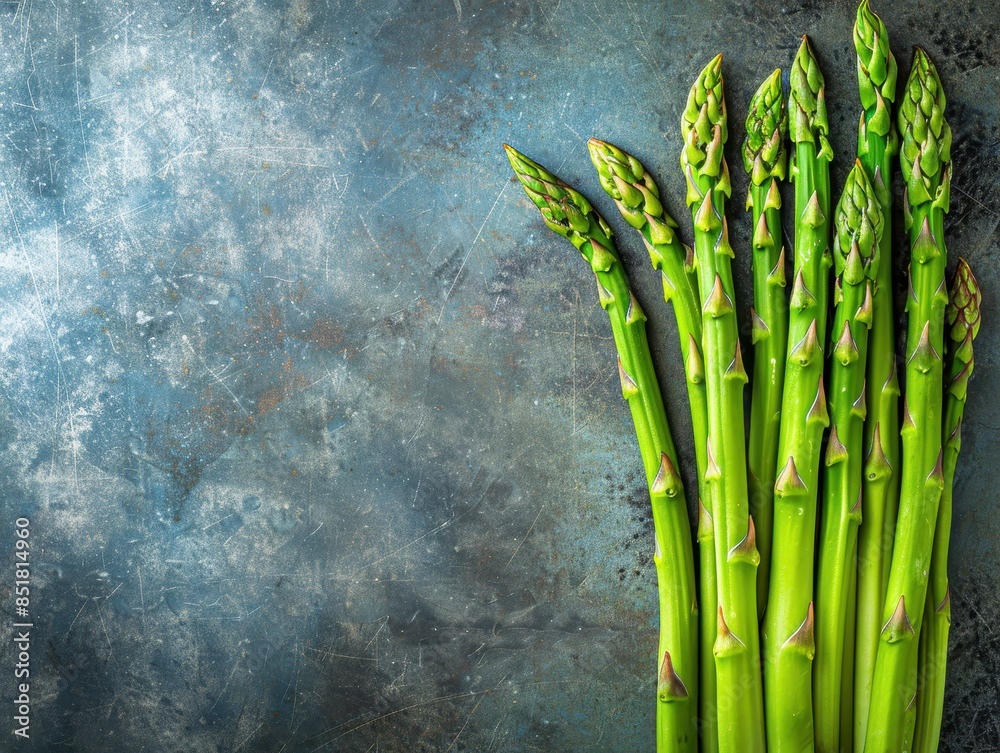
(819, 620)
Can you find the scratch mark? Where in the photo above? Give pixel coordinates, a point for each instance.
(76, 456)
(79, 108)
(77, 616)
(372, 237)
(982, 619)
(494, 737)
(414, 436)
(417, 540)
(565, 103)
(458, 10)
(226, 686)
(471, 246)
(114, 218)
(395, 188)
(168, 166)
(361, 139)
(526, 535)
(587, 577)
(58, 293)
(469, 717)
(107, 636)
(335, 655)
(295, 671)
(379, 718)
(218, 521)
(247, 738)
(184, 339)
(977, 201)
(391, 123)
(385, 621)
(142, 600)
(264, 80)
(361, 70)
(429, 702)
(53, 343)
(574, 131)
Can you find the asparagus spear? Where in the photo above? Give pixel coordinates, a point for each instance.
(637, 197)
(765, 160)
(962, 315)
(704, 131)
(925, 161)
(569, 214)
(789, 619)
(858, 221)
(878, 143)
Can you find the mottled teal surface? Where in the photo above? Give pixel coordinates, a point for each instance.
(317, 426)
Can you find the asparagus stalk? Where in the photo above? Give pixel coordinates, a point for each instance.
(569, 214)
(878, 143)
(765, 159)
(637, 197)
(910, 718)
(850, 634)
(962, 315)
(925, 161)
(858, 221)
(704, 131)
(789, 620)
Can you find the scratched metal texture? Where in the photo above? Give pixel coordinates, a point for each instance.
(316, 424)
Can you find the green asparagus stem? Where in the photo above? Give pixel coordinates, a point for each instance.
(765, 159)
(927, 651)
(637, 197)
(962, 315)
(704, 131)
(850, 633)
(878, 143)
(910, 718)
(925, 161)
(569, 214)
(858, 222)
(789, 620)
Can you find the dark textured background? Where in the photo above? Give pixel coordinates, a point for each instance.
(317, 425)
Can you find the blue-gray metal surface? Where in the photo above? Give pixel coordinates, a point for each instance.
(317, 426)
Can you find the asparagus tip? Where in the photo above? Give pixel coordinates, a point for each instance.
(964, 303)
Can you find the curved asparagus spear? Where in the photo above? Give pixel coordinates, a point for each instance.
(765, 159)
(858, 221)
(878, 143)
(962, 315)
(704, 130)
(569, 214)
(924, 159)
(637, 197)
(788, 621)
